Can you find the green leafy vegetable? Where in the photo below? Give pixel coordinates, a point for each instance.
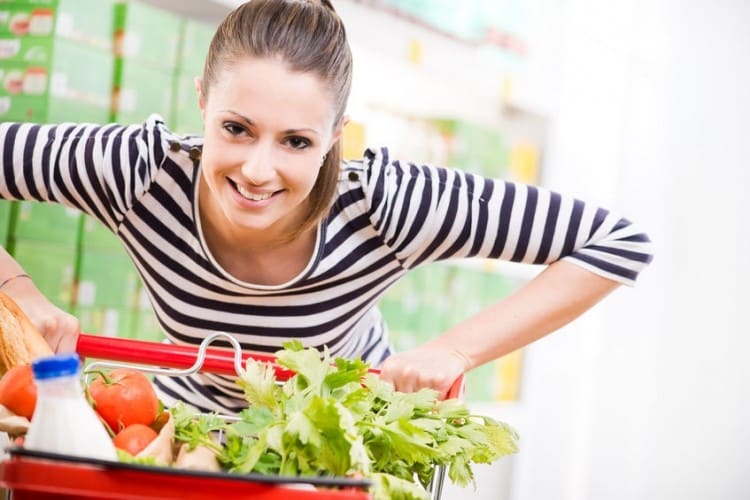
(333, 418)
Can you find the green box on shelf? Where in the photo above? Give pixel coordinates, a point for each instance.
(51, 266)
(86, 21)
(147, 34)
(146, 326)
(107, 278)
(186, 115)
(140, 91)
(142, 301)
(27, 20)
(106, 321)
(97, 236)
(194, 42)
(30, 50)
(63, 89)
(5, 211)
(47, 222)
(52, 110)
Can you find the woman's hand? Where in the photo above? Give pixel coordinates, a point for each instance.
(428, 365)
(59, 328)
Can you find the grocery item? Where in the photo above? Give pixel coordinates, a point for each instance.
(134, 438)
(64, 421)
(18, 391)
(124, 397)
(20, 341)
(333, 417)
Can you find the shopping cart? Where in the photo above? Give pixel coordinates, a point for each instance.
(30, 474)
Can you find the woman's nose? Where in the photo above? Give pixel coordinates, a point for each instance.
(258, 167)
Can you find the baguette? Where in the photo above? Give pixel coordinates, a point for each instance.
(20, 341)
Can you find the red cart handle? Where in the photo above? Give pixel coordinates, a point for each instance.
(218, 360)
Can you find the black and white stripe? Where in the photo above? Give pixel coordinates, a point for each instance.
(388, 217)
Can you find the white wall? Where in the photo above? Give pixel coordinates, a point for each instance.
(700, 435)
(652, 119)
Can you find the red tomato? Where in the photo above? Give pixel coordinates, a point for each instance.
(124, 397)
(134, 438)
(18, 391)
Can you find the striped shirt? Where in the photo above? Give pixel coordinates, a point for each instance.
(387, 218)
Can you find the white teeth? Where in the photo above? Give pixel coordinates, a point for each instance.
(251, 196)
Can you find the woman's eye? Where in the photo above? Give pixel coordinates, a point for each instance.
(298, 142)
(233, 128)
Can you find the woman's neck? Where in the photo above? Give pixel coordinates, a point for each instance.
(267, 264)
(264, 257)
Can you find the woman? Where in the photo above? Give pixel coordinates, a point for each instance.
(258, 229)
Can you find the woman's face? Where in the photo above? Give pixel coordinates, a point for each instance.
(266, 130)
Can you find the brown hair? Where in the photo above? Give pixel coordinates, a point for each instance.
(310, 37)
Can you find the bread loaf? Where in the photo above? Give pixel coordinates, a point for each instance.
(20, 341)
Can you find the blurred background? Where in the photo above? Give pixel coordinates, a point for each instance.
(640, 106)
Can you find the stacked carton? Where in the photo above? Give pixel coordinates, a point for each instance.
(56, 65)
(107, 282)
(146, 48)
(476, 148)
(195, 39)
(5, 210)
(429, 300)
(92, 61)
(147, 41)
(44, 242)
(145, 324)
(56, 60)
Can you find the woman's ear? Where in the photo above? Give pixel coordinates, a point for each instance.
(198, 82)
(339, 130)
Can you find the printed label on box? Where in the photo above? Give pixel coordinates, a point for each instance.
(41, 22)
(111, 322)
(127, 100)
(86, 293)
(58, 86)
(131, 44)
(9, 47)
(65, 24)
(35, 81)
(13, 82)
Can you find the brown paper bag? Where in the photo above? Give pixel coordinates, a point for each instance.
(12, 424)
(161, 447)
(199, 458)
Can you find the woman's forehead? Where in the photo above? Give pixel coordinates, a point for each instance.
(253, 87)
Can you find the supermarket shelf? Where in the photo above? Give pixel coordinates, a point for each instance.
(512, 270)
(430, 87)
(209, 11)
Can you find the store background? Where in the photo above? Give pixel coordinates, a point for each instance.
(640, 106)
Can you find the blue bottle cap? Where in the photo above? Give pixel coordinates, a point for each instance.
(58, 365)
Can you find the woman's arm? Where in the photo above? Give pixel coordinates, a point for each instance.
(427, 214)
(558, 295)
(58, 328)
(98, 169)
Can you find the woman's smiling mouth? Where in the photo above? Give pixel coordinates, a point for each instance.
(249, 195)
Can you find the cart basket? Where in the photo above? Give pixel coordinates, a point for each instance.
(32, 474)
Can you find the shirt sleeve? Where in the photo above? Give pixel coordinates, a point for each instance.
(98, 169)
(427, 213)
